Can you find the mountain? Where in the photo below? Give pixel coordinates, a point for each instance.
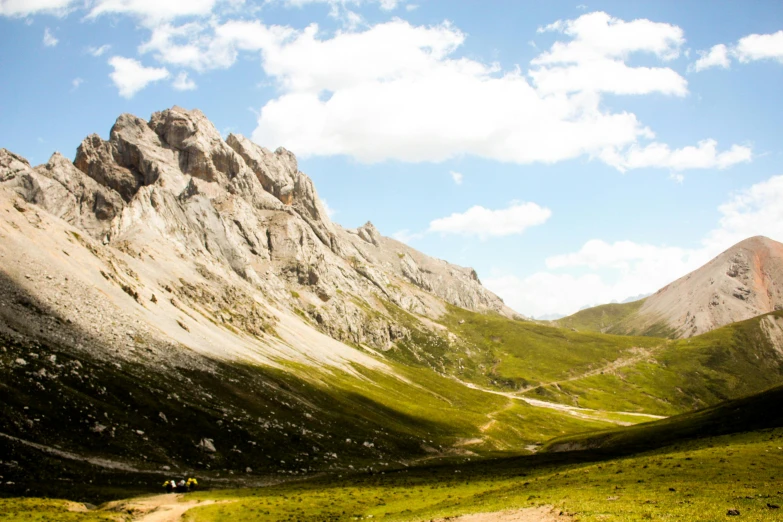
(174, 301)
(743, 282)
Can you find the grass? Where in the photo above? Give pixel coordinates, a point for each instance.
(601, 318)
(756, 412)
(521, 354)
(730, 362)
(41, 510)
(698, 481)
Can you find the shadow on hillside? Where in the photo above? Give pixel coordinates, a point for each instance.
(63, 390)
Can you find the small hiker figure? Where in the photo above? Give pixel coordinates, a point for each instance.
(181, 486)
(192, 484)
(169, 485)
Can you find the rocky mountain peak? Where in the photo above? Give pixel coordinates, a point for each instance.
(223, 224)
(742, 282)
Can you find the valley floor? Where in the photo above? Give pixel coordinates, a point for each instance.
(696, 481)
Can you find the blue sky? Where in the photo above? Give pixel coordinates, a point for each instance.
(572, 153)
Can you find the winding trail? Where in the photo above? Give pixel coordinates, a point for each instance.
(584, 413)
(159, 508)
(639, 355)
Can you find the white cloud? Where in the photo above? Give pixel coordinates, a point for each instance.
(329, 210)
(483, 222)
(406, 236)
(599, 35)
(203, 47)
(98, 51)
(21, 8)
(75, 83)
(153, 11)
(130, 76)
(386, 5)
(329, 85)
(457, 177)
(594, 59)
(627, 268)
(755, 211)
(717, 56)
(659, 155)
(49, 40)
(750, 48)
(760, 47)
(424, 116)
(183, 83)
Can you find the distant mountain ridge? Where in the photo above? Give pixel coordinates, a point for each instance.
(743, 282)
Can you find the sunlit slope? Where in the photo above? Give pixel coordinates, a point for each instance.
(727, 363)
(614, 372)
(756, 412)
(608, 318)
(697, 481)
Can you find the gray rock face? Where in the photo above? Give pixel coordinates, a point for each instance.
(64, 191)
(172, 193)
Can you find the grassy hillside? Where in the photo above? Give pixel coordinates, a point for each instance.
(757, 412)
(521, 354)
(601, 318)
(694, 482)
(684, 375)
(60, 408)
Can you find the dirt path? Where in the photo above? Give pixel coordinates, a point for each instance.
(639, 355)
(160, 508)
(539, 514)
(584, 413)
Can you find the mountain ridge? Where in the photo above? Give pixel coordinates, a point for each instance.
(744, 281)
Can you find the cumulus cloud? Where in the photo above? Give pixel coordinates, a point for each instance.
(457, 177)
(336, 81)
(76, 83)
(703, 156)
(49, 40)
(203, 47)
(22, 8)
(594, 59)
(717, 56)
(621, 269)
(130, 76)
(760, 47)
(482, 222)
(153, 11)
(183, 83)
(750, 48)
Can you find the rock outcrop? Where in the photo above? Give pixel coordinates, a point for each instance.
(199, 218)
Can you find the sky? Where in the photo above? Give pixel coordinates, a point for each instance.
(573, 154)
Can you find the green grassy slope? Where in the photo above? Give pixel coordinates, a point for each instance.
(727, 363)
(601, 318)
(520, 354)
(698, 481)
(617, 319)
(285, 423)
(757, 412)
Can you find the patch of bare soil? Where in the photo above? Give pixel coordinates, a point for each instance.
(538, 514)
(159, 508)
